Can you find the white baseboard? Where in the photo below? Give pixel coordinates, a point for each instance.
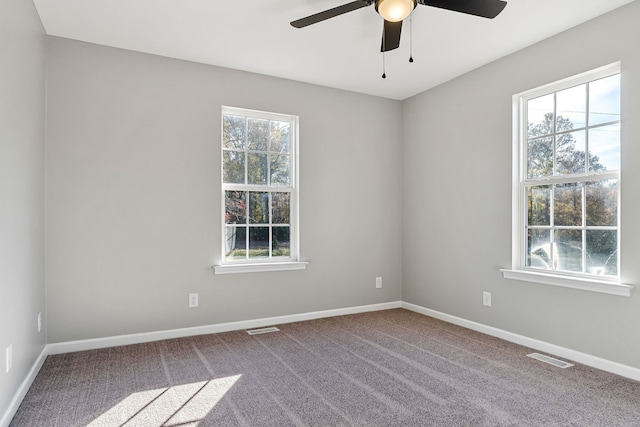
(576, 356)
(583, 358)
(24, 388)
(92, 344)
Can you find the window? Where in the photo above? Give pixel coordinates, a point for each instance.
(567, 181)
(259, 191)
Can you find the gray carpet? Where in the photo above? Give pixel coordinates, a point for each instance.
(388, 368)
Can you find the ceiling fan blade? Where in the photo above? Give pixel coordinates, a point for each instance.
(330, 13)
(484, 8)
(391, 35)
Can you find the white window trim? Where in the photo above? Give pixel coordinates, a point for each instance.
(611, 287)
(517, 271)
(273, 264)
(259, 267)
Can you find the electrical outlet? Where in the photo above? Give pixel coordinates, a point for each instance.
(486, 299)
(9, 357)
(193, 300)
(378, 282)
(39, 322)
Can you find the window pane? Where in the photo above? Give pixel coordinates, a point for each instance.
(258, 207)
(539, 205)
(540, 157)
(235, 207)
(280, 208)
(258, 134)
(233, 132)
(602, 250)
(280, 170)
(602, 203)
(235, 242)
(567, 206)
(570, 153)
(568, 245)
(604, 100)
(571, 108)
(258, 242)
(539, 249)
(572, 134)
(258, 186)
(604, 148)
(280, 141)
(233, 167)
(540, 116)
(281, 241)
(257, 170)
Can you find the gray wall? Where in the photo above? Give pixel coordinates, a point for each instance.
(457, 204)
(133, 195)
(22, 94)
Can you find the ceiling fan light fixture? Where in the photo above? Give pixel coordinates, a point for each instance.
(395, 10)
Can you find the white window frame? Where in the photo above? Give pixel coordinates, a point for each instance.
(263, 264)
(518, 270)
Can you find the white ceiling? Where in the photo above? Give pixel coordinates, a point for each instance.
(344, 52)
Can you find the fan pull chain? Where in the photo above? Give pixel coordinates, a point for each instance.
(384, 74)
(411, 37)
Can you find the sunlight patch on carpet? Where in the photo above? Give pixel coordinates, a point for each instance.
(181, 405)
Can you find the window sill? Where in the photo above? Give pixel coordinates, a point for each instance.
(259, 267)
(585, 284)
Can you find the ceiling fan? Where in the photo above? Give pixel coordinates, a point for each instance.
(395, 11)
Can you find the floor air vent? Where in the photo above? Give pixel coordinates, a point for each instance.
(262, 331)
(550, 360)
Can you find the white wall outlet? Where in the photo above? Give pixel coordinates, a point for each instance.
(193, 300)
(39, 322)
(378, 282)
(9, 357)
(486, 299)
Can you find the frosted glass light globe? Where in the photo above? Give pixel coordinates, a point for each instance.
(395, 10)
